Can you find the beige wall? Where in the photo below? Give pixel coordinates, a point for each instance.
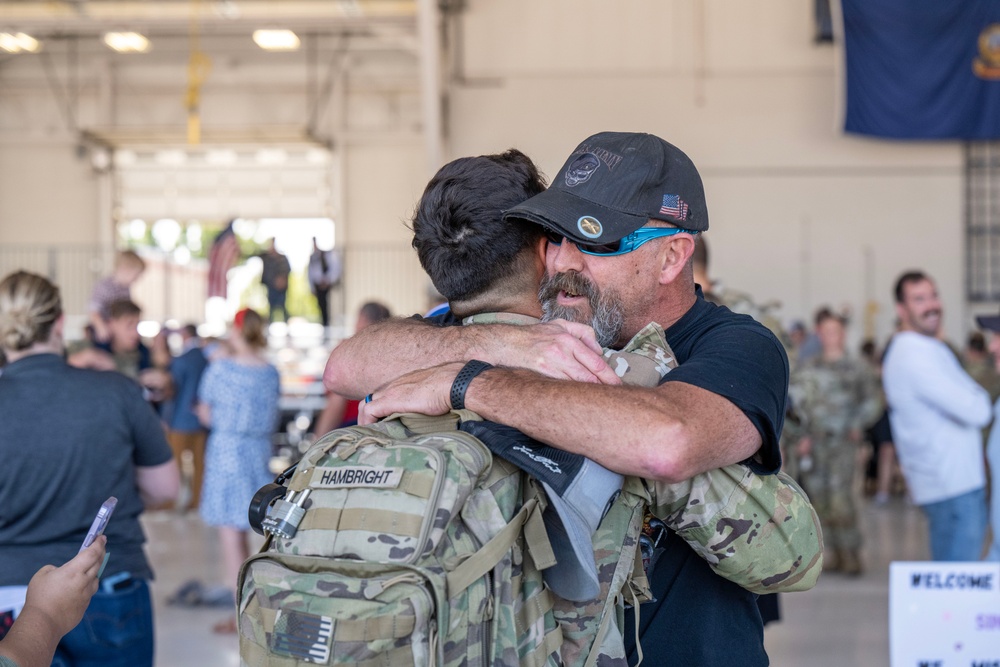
(382, 183)
(800, 212)
(46, 192)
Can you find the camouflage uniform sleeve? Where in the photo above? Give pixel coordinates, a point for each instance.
(645, 359)
(758, 531)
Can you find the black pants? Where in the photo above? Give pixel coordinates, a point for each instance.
(323, 301)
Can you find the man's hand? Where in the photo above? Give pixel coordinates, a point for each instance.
(427, 392)
(558, 349)
(385, 351)
(92, 358)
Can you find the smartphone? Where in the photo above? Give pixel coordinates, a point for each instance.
(100, 521)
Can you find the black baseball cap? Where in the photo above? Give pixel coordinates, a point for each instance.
(612, 184)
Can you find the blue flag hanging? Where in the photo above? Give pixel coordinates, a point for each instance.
(928, 69)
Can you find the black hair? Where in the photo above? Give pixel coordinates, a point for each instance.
(458, 232)
(908, 278)
(824, 314)
(123, 308)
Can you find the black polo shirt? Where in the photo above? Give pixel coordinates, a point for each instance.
(69, 439)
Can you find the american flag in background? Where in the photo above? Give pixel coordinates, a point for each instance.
(222, 256)
(674, 207)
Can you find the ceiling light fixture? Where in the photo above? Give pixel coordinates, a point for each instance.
(18, 42)
(126, 42)
(276, 40)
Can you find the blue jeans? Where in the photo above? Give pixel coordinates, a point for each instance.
(116, 631)
(275, 302)
(957, 526)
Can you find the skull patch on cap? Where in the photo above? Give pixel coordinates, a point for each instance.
(581, 169)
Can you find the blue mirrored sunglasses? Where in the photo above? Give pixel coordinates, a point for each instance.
(623, 245)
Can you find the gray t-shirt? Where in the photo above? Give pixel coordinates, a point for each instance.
(69, 439)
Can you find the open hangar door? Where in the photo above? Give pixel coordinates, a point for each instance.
(171, 202)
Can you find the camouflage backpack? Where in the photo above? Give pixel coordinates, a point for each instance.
(402, 543)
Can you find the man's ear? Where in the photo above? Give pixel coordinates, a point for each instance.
(541, 247)
(675, 257)
(901, 314)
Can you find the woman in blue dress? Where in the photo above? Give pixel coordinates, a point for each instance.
(238, 399)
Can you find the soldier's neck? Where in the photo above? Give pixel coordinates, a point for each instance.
(520, 304)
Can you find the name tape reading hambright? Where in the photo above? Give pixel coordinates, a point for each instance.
(356, 476)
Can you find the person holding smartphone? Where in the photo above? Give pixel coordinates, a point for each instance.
(55, 602)
(69, 439)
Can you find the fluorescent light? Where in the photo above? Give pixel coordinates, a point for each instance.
(276, 40)
(222, 157)
(171, 158)
(126, 42)
(271, 156)
(18, 42)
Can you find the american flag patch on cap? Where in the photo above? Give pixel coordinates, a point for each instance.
(674, 206)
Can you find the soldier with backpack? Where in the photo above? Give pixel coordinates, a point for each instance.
(482, 264)
(622, 214)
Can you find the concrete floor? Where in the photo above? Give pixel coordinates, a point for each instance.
(843, 621)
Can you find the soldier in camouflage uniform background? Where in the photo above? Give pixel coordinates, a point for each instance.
(980, 364)
(743, 303)
(838, 397)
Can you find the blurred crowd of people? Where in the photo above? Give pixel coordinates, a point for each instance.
(178, 423)
(910, 419)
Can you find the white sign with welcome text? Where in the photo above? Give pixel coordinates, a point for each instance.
(944, 614)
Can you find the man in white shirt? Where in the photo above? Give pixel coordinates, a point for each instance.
(937, 412)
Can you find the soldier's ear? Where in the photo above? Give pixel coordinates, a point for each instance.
(675, 257)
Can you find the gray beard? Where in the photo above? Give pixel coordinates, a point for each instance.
(608, 312)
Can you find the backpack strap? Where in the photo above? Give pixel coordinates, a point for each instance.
(529, 521)
(637, 583)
